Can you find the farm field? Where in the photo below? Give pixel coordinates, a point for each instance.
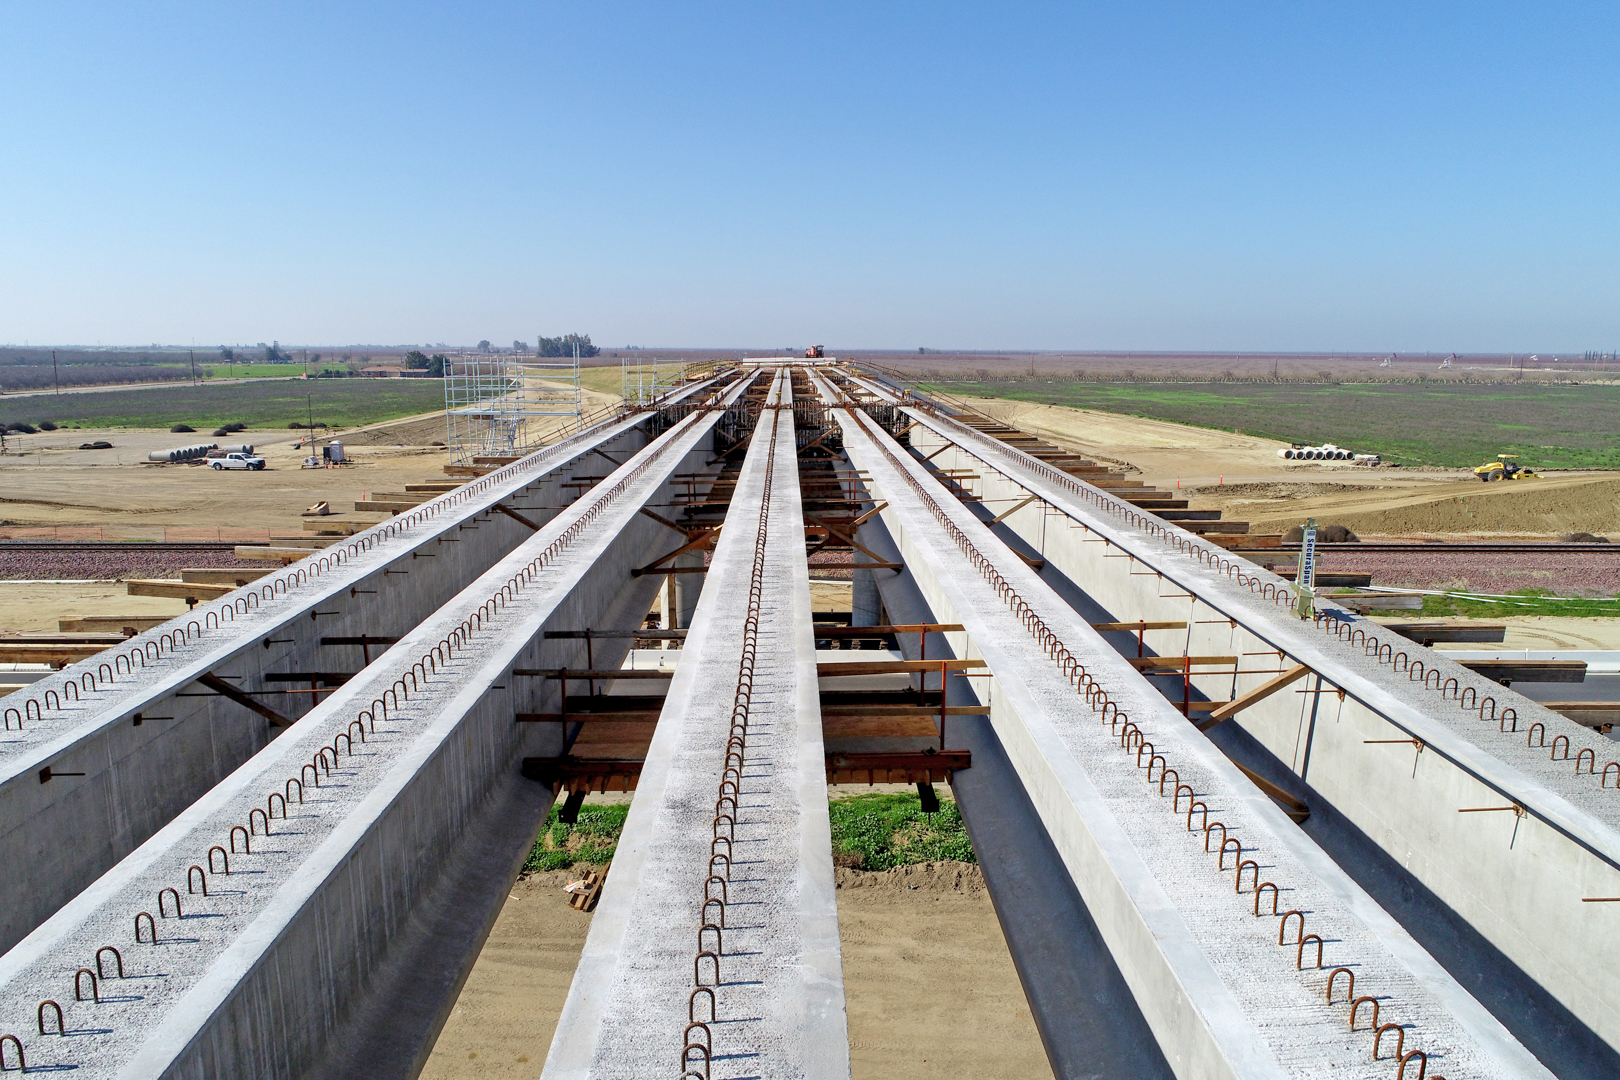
(1452, 424)
(272, 404)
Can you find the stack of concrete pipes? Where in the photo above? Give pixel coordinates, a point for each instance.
(1327, 452)
(182, 453)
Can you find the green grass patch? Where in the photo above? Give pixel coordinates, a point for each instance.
(261, 406)
(591, 841)
(1449, 424)
(879, 831)
(1521, 602)
(217, 370)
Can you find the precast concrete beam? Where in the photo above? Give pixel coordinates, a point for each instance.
(130, 738)
(1221, 997)
(763, 980)
(391, 811)
(1412, 739)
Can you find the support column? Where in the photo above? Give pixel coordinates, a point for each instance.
(865, 605)
(685, 589)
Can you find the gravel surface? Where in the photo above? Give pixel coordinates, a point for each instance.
(113, 565)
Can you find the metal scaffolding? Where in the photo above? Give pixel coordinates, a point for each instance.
(497, 405)
(642, 381)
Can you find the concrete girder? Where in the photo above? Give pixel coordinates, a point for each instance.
(325, 924)
(149, 744)
(1213, 1003)
(780, 998)
(1501, 881)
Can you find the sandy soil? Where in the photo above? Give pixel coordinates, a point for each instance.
(1544, 632)
(1242, 476)
(49, 481)
(35, 608)
(908, 937)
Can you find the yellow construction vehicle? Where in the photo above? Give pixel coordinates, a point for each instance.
(1503, 468)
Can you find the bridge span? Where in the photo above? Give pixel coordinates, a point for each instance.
(1254, 867)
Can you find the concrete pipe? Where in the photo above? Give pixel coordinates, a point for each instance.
(239, 448)
(1285, 454)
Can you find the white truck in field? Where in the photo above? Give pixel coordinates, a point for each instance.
(238, 461)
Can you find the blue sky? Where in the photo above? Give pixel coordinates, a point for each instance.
(1023, 176)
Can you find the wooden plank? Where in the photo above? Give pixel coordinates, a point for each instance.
(47, 654)
(877, 727)
(225, 689)
(1133, 627)
(202, 575)
(1177, 663)
(1429, 633)
(1259, 693)
(1506, 671)
(643, 717)
(892, 667)
(273, 554)
(180, 590)
(385, 506)
(115, 623)
(1593, 714)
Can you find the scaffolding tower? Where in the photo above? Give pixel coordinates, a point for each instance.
(503, 405)
(641, 381)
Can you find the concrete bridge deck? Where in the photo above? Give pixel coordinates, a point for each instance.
(1219, 994)
(377, 805)
(335, 945)
(717, 930)
(124, 755)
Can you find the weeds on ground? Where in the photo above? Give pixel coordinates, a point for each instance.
(1519, 602)
(880, 831)
(593, 840)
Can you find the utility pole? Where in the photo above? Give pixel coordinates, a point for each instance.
(56, 379)
(193, 354)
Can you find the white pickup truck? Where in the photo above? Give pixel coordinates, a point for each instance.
(238, 461)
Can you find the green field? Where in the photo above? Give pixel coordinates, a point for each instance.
(1452, 424)
(265, 371)
(336, 403)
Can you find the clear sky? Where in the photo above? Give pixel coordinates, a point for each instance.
(1120, 175)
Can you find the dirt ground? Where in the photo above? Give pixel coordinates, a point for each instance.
(46, 480)
(35, 607)
(1243, 476)
(908, 936)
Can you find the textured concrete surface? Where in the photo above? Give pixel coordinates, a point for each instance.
(780, 1008)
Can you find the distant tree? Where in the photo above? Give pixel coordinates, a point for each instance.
(921, 350)
(227, 353)
(520, 346)
(274, 355)
(484, 345)
(436, 365)
(415, 359)
(564, 346)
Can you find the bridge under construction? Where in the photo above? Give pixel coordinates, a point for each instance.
(269, 837)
